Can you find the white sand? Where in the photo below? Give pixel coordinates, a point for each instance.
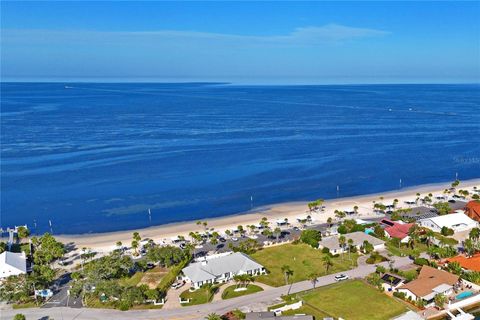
(103, 242)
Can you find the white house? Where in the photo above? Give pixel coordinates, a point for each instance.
(12, 264)
(429, 283)
(456, 221)
(221, 268)
(358, 238)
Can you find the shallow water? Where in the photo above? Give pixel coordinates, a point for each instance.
(96, 157)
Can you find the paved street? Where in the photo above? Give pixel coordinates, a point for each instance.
(250, 302)
(60, 296)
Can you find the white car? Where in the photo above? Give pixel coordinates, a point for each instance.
(234, 239)
(341, 277)
(177, 285)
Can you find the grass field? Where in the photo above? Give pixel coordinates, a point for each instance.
(404, 251)
(301, 258)
(198, 296)
(231, 293)
(350, 300)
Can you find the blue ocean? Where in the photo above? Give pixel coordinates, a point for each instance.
(94, 157)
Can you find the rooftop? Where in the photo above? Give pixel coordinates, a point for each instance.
(471, 263)
(211, 268)
(428, 280)
(13, 259)
(453, 219)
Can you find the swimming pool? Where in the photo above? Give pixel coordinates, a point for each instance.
(464, 295)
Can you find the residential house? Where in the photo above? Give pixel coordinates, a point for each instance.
(391, 281)
(397, 230)
(467, 263)
(12, 264)
(220, 268)
(472, 210)
(456, 221)
(358, 238)
(429, 283)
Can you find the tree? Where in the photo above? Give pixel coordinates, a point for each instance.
(209, 290)
(46, 249)
(23, 232)
(350, 248)
(119, 244)
(287, 272)
(455, 183)
(311, 237)
(366, 247)
(313, 277)
(329, 221)
(327, 263)
(135, 245)
(341, 241)
(443, 208)
(440, 300)
(474, 234)
(213, 316)
(19, 316)
(277, 232)
(429, 235)
(136, 236)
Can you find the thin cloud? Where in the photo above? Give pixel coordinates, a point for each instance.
(312, 35)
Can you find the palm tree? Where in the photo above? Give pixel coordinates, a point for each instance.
(313, 277)
(327, 263)
(329, 221)
(350, 247)
(135, 246)
(277, 231)
(440, 300)
(429, 235)
(474, 234)
(213, 316)
(341, 241)
(209, 289)
(287, 272)
(119, 244)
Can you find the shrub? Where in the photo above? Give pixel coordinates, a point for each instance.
(325, 250)
(421, 261)
(447, 231)
(19, 316)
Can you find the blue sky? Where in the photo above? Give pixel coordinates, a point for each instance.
(254, 42)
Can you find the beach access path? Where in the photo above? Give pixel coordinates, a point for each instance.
(254, 302)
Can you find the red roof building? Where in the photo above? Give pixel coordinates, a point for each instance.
(473, 210)
(397, 230)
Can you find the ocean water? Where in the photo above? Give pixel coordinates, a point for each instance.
(96, 157)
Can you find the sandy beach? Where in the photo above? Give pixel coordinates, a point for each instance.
(103, 242)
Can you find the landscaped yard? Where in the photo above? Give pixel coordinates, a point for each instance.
(151, 278)
(350, 300)
(231, 293)
(404, 250)
(302, 259)
(198, 296)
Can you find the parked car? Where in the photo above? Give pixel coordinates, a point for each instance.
(177, 285)
(341, 277)
(234, 239)
(222, 239)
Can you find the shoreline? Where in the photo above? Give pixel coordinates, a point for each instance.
(104, 242)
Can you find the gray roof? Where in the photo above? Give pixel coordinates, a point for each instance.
(212, 268)
(358, 238)
(15, 260)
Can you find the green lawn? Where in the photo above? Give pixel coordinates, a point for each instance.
(447, 240)
(301, 258)
(350, 300)
(231, 293)
(198, 296)
(404, 251)
(131, 281)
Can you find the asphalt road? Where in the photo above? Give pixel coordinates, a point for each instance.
(250, 302)
(60, 296)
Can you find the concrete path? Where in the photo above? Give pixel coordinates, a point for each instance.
(172, 300)
(248, 302)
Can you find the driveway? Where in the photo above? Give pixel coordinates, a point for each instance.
(249, 302)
